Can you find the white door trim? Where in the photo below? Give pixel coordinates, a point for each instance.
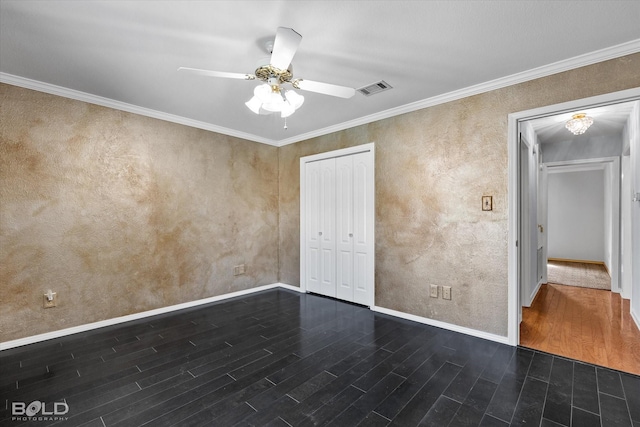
(513, 147)
(370, 147)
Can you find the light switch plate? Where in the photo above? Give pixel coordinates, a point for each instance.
(487, 203)
(433, 291)
(46, 303)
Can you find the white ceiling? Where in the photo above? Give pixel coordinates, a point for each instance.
(125, 54)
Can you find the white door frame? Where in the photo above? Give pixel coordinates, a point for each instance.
(513, 147)
(363, 148)
(543, 219)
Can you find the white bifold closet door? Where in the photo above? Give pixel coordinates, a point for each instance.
(321, 226)
(338, 209)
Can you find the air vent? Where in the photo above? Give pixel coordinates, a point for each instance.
(375, 88)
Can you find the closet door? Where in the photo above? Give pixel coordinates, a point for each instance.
(312, 228)
(337, 224)
(354, 227)
(363, 229)
(327, 227)
(344, 227)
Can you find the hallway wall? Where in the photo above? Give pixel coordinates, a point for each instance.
(576, 221)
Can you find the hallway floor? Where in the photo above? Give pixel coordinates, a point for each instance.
(281, 358)
(591, 325)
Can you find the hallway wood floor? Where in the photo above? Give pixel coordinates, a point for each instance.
(591, 325)
(281, 358)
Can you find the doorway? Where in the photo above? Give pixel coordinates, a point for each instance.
(526, 245)
(581, 200)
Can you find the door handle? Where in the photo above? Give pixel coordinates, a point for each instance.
(541, 228)
(350, 234)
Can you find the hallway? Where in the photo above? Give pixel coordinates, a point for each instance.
(591, 325)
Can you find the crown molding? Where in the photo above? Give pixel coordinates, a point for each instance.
(612, 52)
(605, 54)
(123, 106)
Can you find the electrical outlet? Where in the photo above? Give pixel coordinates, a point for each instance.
(433, 291)
(446, 292)
(50, 299)
(239, 269)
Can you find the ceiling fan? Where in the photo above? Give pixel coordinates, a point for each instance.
(272, 96)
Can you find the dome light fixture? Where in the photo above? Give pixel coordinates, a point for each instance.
(579, 123)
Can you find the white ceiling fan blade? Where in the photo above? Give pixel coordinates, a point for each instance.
(218, 73)
(284, 47)
(324, 88)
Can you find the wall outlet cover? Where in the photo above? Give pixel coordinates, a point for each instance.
(446, 292)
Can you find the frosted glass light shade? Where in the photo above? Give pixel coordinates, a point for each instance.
(269, 99)
(254, 104)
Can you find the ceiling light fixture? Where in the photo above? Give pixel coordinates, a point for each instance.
(579, 123)
(270, 98)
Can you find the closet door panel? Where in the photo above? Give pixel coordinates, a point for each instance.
(327, 229)
(312, 232)
(362, 228)
(344, 226)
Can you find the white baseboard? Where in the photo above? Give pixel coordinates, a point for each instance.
(443, 325)
(101, 324)
(533, 295)
(109, 322)
(635, 318)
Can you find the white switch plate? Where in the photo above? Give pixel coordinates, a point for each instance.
(433, 291)
(446, 292)
(239, 269)
(49, 304)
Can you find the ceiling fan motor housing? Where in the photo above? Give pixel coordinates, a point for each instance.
(266, 71)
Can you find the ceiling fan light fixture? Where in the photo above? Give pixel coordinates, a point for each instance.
(579, 123)
(269, 98)
(294, 98)
(276, 71)
(254, 104)
(287, 110)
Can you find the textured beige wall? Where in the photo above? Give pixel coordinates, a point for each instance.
(431, 172)
(120, 213)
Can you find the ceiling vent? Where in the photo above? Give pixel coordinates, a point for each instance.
(374, 88)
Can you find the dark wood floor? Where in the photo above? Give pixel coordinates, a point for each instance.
(280, 358)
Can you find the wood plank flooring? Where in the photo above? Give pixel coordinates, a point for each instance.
(281, 358)
(591, 325)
